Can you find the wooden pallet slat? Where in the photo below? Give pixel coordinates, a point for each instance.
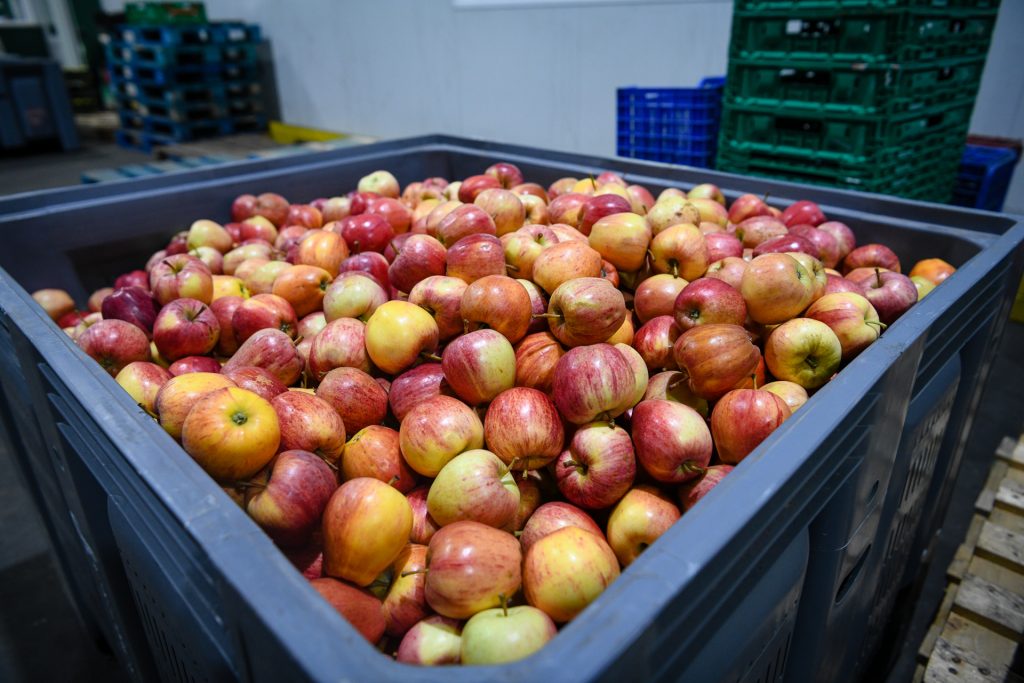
(993, 606)
(1001, 545)
(951, 664)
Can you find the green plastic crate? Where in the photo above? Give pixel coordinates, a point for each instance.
(843, 5)
(846, 88)
(165, 13)
(851, 138)
(873, 37)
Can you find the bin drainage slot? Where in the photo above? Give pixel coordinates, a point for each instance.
(851, 578)
(872, 493)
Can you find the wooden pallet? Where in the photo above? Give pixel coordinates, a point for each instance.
(980, 622)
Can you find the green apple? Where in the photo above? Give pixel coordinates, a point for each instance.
(505, 634)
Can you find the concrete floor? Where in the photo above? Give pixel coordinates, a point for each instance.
(41, 637)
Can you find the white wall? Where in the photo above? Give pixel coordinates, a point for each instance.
(543, 73)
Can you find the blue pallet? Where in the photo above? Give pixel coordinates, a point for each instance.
(180, 56)
(984, 177)
(178, 130)
(188, 34)
(194, 111)
(190, 75)
(673, 125)
(184, 93)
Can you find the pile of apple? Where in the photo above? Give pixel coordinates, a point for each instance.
(463, 408)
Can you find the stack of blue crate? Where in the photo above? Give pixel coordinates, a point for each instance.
(177, 83)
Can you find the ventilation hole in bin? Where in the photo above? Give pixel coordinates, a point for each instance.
(851, 577)
(873, 493)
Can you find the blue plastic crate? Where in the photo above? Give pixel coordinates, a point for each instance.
(188, 34)
(673, 125)
(984, 177)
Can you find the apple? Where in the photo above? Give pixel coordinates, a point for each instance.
(261, 279)
(414, 386)
(567, 570)
(289, 506)
(434, 218)
(671, 210)
(786, 244)
(792, 393)
(681, 250)
(257, 380)
(565, 261)
(423, 525)
(507, 174)
(479, 365)
(803, 212)
(366, 525)
(178, 244)
(585, 311)
(472, 187)
(189, 364)
(497, 302)
(535, 210)
(923, 284)
(303, 287)
(538, 306)
(851, 317)
(804, 351)
(730, 270)
(551, 517)
(142, 380)
(471, 567)
(133, 305)
(72, 318)
(824, 242)
(341, 344)
(272, 350)
(654, 342)
(114, 344)
(504, 208)
(844, 237)
(323, 249)
(598, 467)
(671, 385)
(254, 227)
(747, 206)
(231, 433)
(206, 233)
(228, 285)
(397, 333)
(815, 268)
(758, 230)
(592, 382)
(272, 206)
(465, 220)
(360, 201)
(561, 186)
(871, 256)
(441, 297)
(420, 257)
(506, 634)
(374, 451)
(567, 208)
(673, 443)
(437, 430)
(369, 263)
(599, 206)
(303, 214)
(181, 276)
(357, 398)
(476, 256)
(742, 419)
(708, 300)
(722, 245)
(776, 288)
(891, 294)
(530, 497)
(536, 357)
(335, 208)
(178, 395)
(56, 302)
(691, 492)
(837, 283)
(707, 191)
(239, 255)
(710, 211)
(523, 428)
(379, 182)
(263, 311)
(716, 357)
(405, 604)
(308, 423)
(639, 519)
(359, 607)
(433, 641)
(523, 246)
(657, 295)
(353, 295)
(397, 214)
(622, 239)
(475, 485)
(935, 270)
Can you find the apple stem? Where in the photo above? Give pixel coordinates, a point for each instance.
(512, 465)
(504, 604)
(878, 276)
(692, 467)
(753, 378)
(675, 269)
(517, 533)
(249, 485)
(510, 266)
(298, 340)
(431, 356)
(546, 315)
(393, 480)
(765, 197)
(880, 324)
(392, 245)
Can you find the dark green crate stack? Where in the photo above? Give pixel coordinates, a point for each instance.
(869, 95)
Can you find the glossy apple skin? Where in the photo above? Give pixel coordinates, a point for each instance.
(423, 525)
(673, 443)
(322, 248)
(289, 507)
(114, 344)
(640, 518)
(826, 243)
(716, 357)
(567, 208)
(303, 287)
(730, 270)
(178, 395)
(709, 300)
(776, 288)
(507, 174)
(504, 208)
(803, 212)
(476, 256)
(366, 525)
(359, 607)
(374, 451)
(206, 233)
(257, 380)
(538, 306)
(380, 182)
(394, 212)
(523, 428)
(309, 423)
(263, 311)
(935, 270)
(437, 430)
(537, 355)
(356, 396)
(792, 393)
(497, 302)
(622, 239)
(56, 302)
(871, 256)
(586, 311)
(181, 276)
(474, 185)
(742, 419)
(231, 433)
(804, 351)
(353, 295)
(691, 492)
(475, 485)
(598, 467)
(479, 365)
(193, 364)
(131, 304)
(415, 386)
(681, 250)
(419, 257)
(405, 603)
(502, 635)
(654, 341)
(721, 245)
(470, 566)
(463, 221)
(142, 380)
(441, 296)
(836, 283)
(272, 350)
(597, 207)
(341, 344)
(523, 246)
(747, 206)
(891, 294)
(567, 570)
(592, 382)
(656, 296)
(851, 317)
(552, 516)
(564, 261)
(786, 244)
(397, 333)
(434, 641)
(370, 263)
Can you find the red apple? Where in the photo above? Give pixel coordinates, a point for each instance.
(729, 270)
(189, 364)
(471, 567)
(414, 386)
(565, 571)
(654, 342)
(747, 206)
(291, 503)
(640, 518)
(507, 174)
(181, 276)
(891, 294)
(475, 485)
(551, 517)
(420, 257)
(523, 428)
(359, 607)
(871, 256)
(309, 423)
(185, 327)
(479, 365)
(599, 206)
(742, 419)
(374, 451)
(716, 357)
(357, 398)
(497, 302)
(472, 186)
(565, 261)
(536, 357)
(567, 208)
(272, 350)
(257, 380)
(622, 239)
(142, 380)
(680, 250)
(397, 333)
(433, 641)
(341, 344)
(776, 288)
(755, 231)
(476, 256)
(592, 382)
(598, 467)
(721, 245)
(436, 430)
(691, 492)
(709, 300)
(672, 441)
(585, 311)
(657, 296)
(231, 433)
(803, 212)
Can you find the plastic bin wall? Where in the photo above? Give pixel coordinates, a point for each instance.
(181, 570)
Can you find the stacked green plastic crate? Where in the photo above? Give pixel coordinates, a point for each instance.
(870, 95)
